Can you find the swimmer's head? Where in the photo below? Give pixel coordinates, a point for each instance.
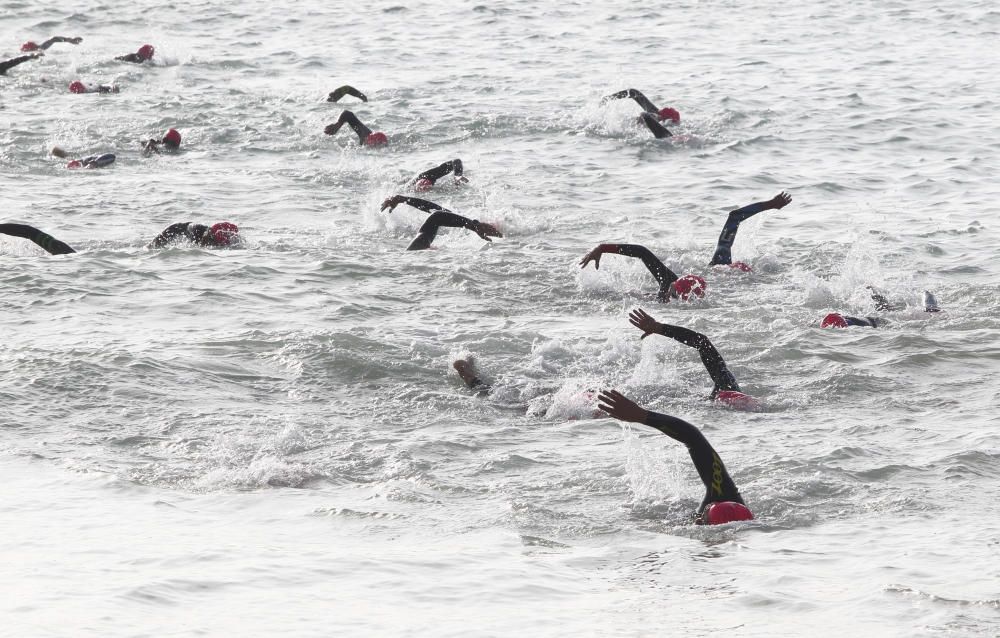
(146, 52)
(669, 114)
(74, 164)
(739, 265)
(29, 46)
(224, 233)
(833, 320)
(376, 139)
(723, 512)
(77, 87)
(172, 139)
(688, 285)
(423, 185)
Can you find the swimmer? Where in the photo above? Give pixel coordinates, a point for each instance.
(726, 388)
(79, 87)
(426, 180)
(466, 369)
(439, 216)
(171, 141)
(31, 46)
(340, 92)
(92, 161)
(723, 255)
(220, 235)
(47, 242)
(671, 286)
(365, 135)
(882, 304)
(651, 116)
(722, 502)
(144, 54)
(10, 64)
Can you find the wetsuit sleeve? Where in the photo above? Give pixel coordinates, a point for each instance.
(653, 124)
(882, 304)
(131, 57)
(9, 64)
(48, 243)
(438, 219)
(436, 173)
(723, 254)
(719, 486)
(710, 357)
(867, 322)
(636, 95)
(171, 233)
(340, 92)
(57, 39)
(349, 118)
(424, 205)
(664, 276)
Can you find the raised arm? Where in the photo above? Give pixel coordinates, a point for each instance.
(48, 243)
(636, 95)
(719, 486)
(881, 303)
(340, 92)
(448, 219)
(663, 275)
(10, 64)
(439, 171)
(416, 202)
(710, 357)
(170, 234)
(58, 38)
(723, 250)
(658, 130)
(349, 118)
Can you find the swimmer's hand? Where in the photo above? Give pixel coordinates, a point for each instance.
(594, 256)
(780, 200)
(76, 40)
(392, 202)
(619, 407)
(645, 322)
(485, 230)
(58, 152)
(461, 179)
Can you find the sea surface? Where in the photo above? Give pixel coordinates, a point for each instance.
(272, 440)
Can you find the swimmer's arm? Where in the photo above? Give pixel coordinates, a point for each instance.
(169, 234)
(48, 243)
(340, 92)
(440, 219)
(636, 95)
(663, 275)
(881, 303)
(416, 202)
(622, 408)
(727, 237)
(59, 38)
(131, 57)
(9, 64)
(439, 171)
(658, 130)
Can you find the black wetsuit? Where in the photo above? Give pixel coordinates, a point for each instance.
(131, 57)
(58, 38)
(866, 322)
(439, 217)
(50, 244)
(663, 275)
(650, 117)
(723, 249)
(196, 233)
(714, 363)
(340, 92)
(436, 173)
(351, 120)
(9, 64)
(719, 486)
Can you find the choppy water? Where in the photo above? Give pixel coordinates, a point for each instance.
(272, 440)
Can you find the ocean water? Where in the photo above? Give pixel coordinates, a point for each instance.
(272, 440)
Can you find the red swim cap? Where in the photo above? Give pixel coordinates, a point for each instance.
(669, 114)
(224, 233)
(74, 164)
(77, 87)
(739, 265)
(689, 285)
(738, 400)
(833, 320)
(423, 185)
(173, 138)
(29, 46)
(146, 52)
(726, 512)
(375, 139)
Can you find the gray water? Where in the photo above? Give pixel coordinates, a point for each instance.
(272, 440)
